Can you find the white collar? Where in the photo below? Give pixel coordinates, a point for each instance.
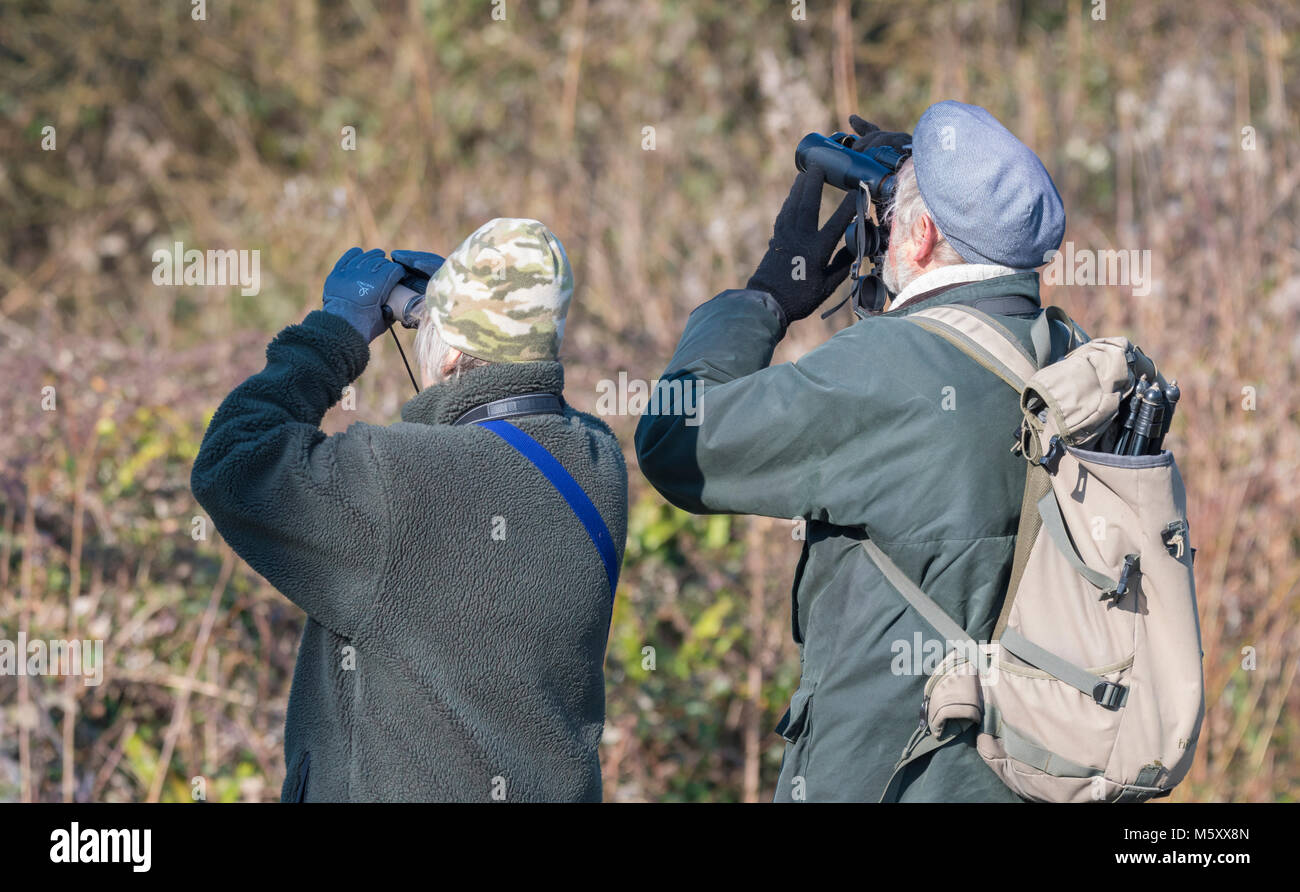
(954, 274)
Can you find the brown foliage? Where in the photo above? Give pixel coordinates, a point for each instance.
(226, 134)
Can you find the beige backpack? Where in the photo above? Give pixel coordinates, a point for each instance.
(1091, 689)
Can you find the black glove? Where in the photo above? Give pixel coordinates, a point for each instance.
(870, 136)
(801, 287)
(422, 261)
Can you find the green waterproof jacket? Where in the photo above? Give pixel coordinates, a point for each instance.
(457, 609)
(886, 431)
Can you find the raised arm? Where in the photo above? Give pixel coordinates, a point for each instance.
(306, 511)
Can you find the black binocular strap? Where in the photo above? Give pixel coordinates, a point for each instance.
(512, 406)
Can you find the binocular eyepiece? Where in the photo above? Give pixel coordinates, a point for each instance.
(846, 169)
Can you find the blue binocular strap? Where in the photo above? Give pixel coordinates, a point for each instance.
(564, 483)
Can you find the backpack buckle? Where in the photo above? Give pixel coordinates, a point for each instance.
(1130, 561)
(1055, 449)
(1109, 695)
(1121, 586)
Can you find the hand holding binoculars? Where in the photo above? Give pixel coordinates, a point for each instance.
(870, 170)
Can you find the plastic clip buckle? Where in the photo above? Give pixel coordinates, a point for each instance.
(1055, 449)
(1121, 586)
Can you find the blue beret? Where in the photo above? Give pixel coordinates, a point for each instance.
(986, 190)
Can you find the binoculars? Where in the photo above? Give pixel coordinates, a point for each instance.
(847, 169)
(870, 172)
(404, 302)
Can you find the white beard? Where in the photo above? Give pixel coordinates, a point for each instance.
(889, 273)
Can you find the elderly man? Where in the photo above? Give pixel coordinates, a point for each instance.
(885, 431)
(458, 568)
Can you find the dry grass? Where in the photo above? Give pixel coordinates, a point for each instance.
(226, 134)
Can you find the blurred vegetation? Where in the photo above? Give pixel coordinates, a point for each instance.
(226, 133)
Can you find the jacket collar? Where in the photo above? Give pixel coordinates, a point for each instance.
(444, 403)
(948, 276)
(1018, 284)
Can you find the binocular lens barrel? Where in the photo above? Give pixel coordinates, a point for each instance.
(847, 169)
(405, 300)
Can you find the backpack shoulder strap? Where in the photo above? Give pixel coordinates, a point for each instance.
(987, 341)
(930, 611)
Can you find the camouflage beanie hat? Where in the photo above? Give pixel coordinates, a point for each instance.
(502, 295)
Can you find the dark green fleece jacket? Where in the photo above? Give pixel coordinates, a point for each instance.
(457, 610)
(887, 431)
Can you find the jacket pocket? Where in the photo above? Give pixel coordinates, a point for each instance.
(796, 728)
(300, 774)
(796, 719)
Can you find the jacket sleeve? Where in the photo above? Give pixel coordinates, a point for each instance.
(781, 441)
(305, 510)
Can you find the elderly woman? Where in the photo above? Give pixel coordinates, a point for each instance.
(457, 568)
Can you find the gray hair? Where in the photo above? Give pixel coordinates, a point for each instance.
(431, 353)
(908, 206)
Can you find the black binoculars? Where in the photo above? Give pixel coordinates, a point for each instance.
(847, 169)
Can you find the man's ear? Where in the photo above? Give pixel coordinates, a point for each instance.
(925, 235)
